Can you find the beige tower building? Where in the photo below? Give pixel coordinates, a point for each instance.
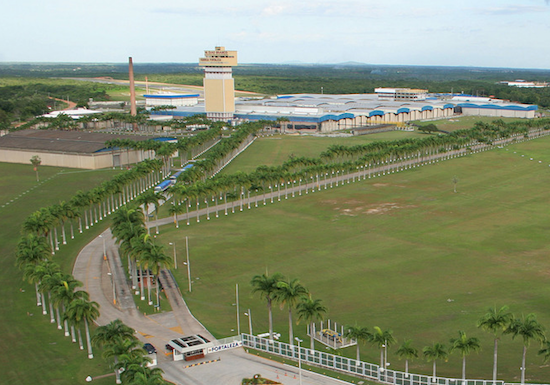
(219, 85)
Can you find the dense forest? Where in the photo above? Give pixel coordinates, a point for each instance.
(24, 99)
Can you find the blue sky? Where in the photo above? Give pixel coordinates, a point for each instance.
(485, 33)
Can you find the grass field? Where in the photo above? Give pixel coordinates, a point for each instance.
(33, 350)
(463, 122)
(401, 252)
(274, 150)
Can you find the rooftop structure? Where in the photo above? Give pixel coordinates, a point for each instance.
(525, 84)
(401, 94)
(75, 149)
(171, 99)
(326, 113)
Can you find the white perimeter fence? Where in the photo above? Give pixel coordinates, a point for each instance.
(351, 366)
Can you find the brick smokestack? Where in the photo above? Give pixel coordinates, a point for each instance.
(133, 109)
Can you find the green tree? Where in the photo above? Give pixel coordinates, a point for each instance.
(382, 339)
(36, 161)
(310, 311)
(289, 293)
(529, 329)
(360, 334)
(408, 352)
(81, 311)
(464, 346)
(495, 321)
(435, 352)
(267, 287)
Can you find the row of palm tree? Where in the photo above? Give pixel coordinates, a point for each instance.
(339, 164)
(141, 250)
(292, 294)
(129, 359)
(188, 146)
(69, 307)
(498, 322)
(90, 207)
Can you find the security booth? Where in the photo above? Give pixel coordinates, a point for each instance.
(190, 348)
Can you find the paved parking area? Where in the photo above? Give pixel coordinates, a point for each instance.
(236, 364)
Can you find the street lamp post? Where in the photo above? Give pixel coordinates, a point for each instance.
(188, 264)
(249, 315)
(299, 358)
(238, 311)
(104, 249)
(175, 255)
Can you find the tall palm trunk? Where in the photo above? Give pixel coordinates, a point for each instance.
(523, 365)
(270, 319)
(38, 296)
(52, 314)
(495, 357)
(80, 343)
(290, 328)
(88, 342)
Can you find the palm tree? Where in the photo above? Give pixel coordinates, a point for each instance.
(496, 322)
(64, 294)
(155, 259)
(310, 311)
(36, 161)
(82, 311)
(148, 377)
(407, 352)
(133, 362)
(530, 330)
(31, 250)
(435, 352)
(545, 351)
(383, 339)
(118, 345)
(289, 293)
(359, 334)
(465, 346)
(145, 199)
(106, 334)
(267, 287)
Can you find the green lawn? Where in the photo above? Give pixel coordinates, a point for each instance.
(274, 150)
(464, 122)
(34, 351)
(401, 252)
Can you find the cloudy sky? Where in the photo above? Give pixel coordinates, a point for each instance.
(485, 33)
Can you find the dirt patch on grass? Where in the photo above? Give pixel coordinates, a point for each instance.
(383, 208)
(380, 184)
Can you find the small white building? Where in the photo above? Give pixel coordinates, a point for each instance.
(170, 99)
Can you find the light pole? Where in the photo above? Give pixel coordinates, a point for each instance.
(188, 264)
(249, 315)
(299, 358)
(175, 255)
(238, 312)
(104, 249)
(113, 284)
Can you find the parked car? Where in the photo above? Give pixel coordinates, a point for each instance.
(150, 349)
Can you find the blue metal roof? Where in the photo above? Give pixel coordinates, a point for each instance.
(510, 107)
(174, 96)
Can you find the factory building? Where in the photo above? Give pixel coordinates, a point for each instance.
(327, 113)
